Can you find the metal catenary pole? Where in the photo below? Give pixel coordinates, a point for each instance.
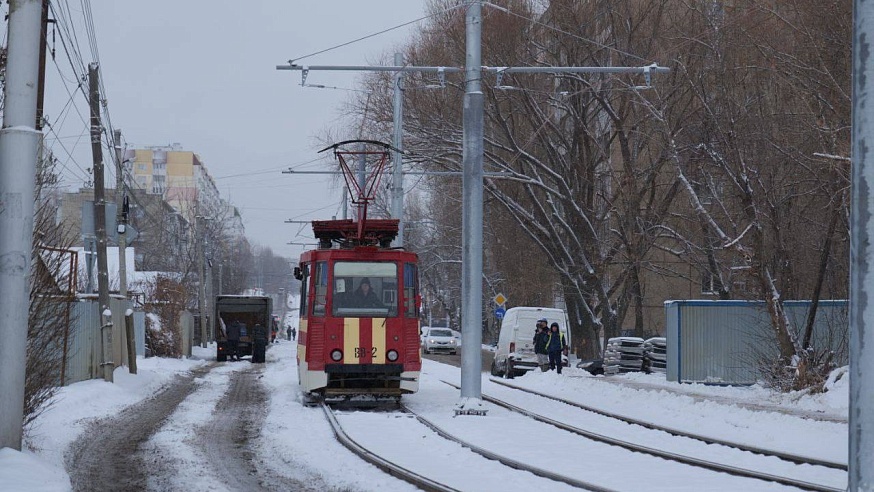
(472, 204)
(861, 426)
(19, 144)
(100, 222)
(398, 142)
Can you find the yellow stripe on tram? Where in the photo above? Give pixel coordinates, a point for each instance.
(378, 340)
(351, 335)
(301, 348)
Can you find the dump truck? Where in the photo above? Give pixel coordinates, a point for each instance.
(244, 318)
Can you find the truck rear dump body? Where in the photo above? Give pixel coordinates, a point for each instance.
(254, 315)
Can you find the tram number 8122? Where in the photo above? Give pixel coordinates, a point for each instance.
(363, 351)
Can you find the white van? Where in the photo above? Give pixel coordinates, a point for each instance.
(514, 354)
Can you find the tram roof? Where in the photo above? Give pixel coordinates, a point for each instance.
(362, 253)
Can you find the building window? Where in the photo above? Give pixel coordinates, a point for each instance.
(158, 183)
(739, 275)
(709, 283)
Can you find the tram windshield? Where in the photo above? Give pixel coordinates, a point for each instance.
(365, 289)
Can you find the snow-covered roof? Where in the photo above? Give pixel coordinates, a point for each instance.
(112, 265)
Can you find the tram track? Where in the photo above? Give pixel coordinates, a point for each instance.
(378, 461)
(429, 484)
(687, 460)
(793, 458)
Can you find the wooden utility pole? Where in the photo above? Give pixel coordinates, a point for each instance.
(131, 343)
(201, 278)
(121, 215)
(41, 81)
(121, 220)
(100, 223)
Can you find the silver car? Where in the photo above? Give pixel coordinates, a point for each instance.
(440, 340)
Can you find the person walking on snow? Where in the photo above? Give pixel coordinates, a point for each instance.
(540, 337)
(555, 345)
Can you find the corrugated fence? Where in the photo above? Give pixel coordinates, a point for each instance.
(723, 342)
(83, 353)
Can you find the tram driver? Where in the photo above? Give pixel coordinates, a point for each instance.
(365, 297)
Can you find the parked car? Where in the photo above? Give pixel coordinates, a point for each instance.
(514, 354)
(457, 335)
(440, 340)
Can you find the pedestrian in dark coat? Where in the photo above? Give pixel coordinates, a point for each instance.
(555, 345)
(288, 332)
(541, 335)
(234, 339)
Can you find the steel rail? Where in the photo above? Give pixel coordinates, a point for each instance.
(688, 460)
(793, 458)
(518, 465)
(392, 469)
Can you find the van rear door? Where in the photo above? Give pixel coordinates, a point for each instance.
(524, 334)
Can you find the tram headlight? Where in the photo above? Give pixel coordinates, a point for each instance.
(392, 355)
(336, 355)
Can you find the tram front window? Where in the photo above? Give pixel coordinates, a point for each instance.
(365, 289)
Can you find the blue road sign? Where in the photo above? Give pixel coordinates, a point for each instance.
(499, 312)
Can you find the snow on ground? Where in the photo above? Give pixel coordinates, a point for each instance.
(670, 407)
(174, 441)
(41, 465)
(296, 441)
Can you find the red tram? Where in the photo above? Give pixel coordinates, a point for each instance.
(359, 312)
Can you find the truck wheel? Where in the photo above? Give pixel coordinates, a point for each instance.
(494, 370)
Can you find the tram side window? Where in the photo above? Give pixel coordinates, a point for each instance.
(411, 290)
(321, 284)
(304, 289)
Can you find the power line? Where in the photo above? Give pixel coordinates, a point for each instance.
(85, 175)
(269, 170)
(347, 43)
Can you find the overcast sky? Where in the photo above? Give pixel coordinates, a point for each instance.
(202, 73)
